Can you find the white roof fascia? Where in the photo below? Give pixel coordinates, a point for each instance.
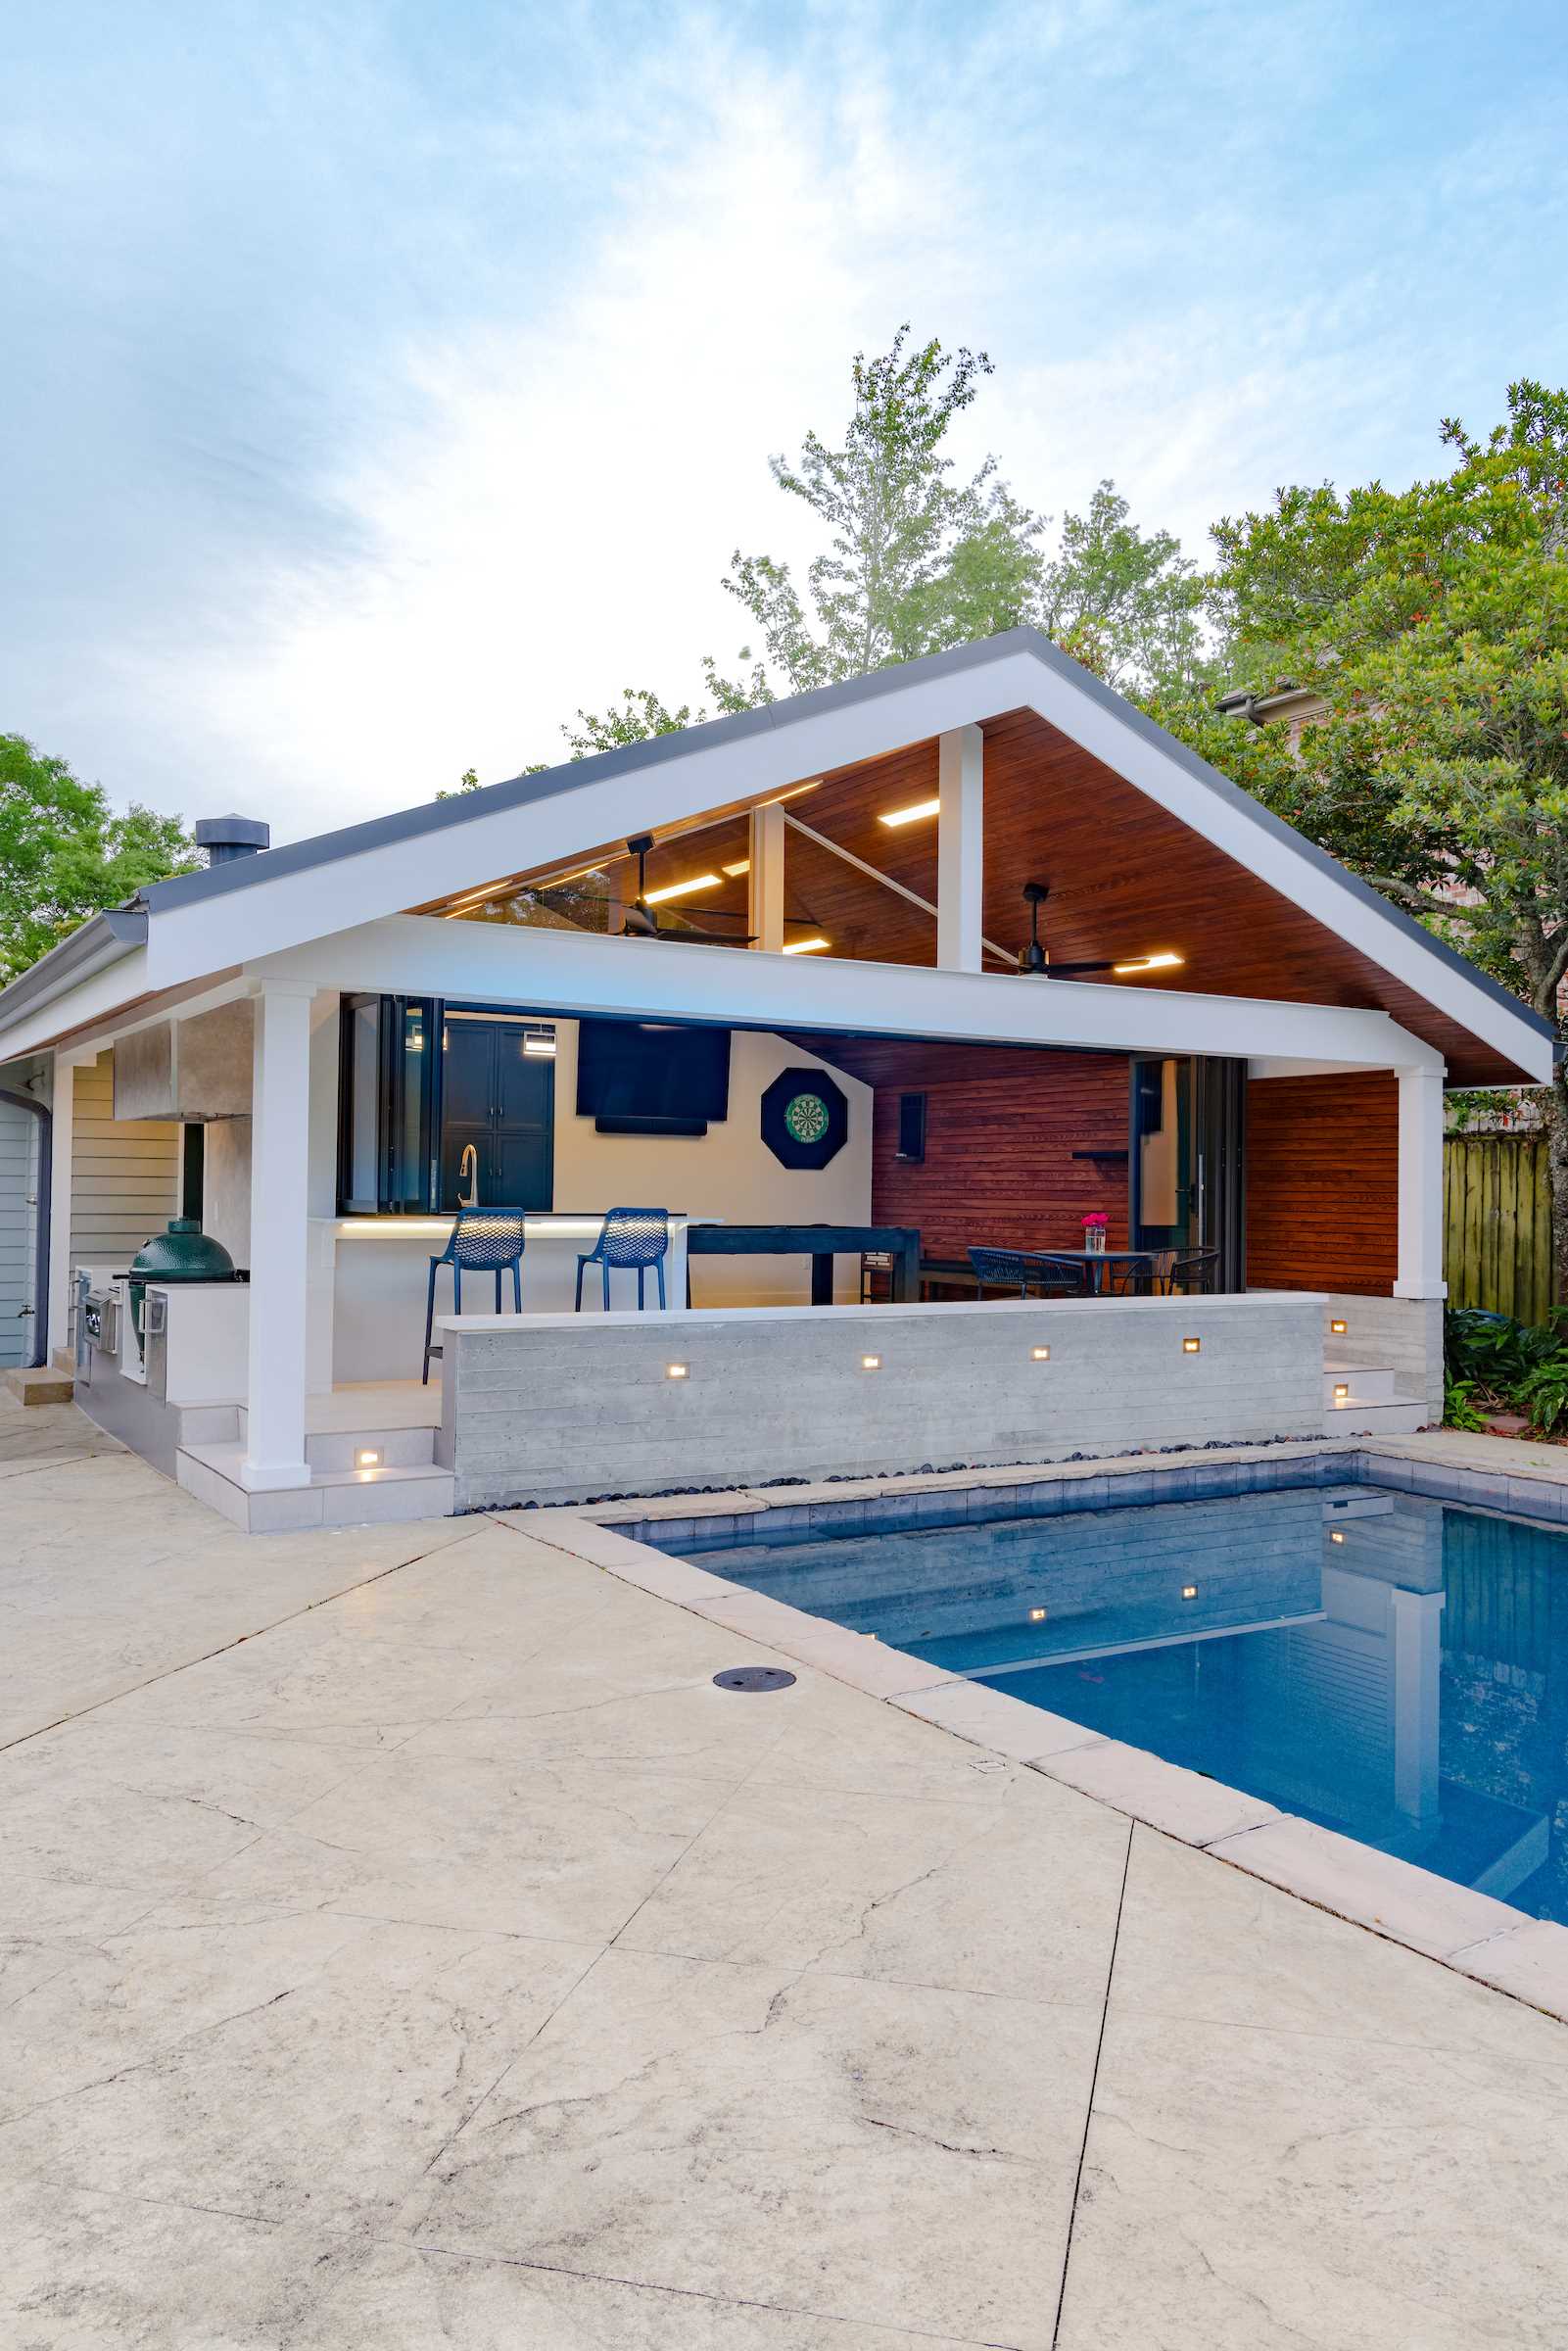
(76, 1007)
(269, 917)
(584, 973)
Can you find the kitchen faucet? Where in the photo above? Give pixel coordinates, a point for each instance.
(468, 1173)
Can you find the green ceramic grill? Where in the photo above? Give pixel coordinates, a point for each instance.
(182, 1252)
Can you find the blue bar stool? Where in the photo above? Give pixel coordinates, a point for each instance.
(487, 1240)
(629, 1237)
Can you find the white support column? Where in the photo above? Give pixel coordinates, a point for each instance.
(274, 1452)
(960, 847)
(765, 883)
(1420, 1272)
(61, 1135)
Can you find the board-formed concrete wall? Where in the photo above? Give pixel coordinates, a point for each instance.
(559, 1407)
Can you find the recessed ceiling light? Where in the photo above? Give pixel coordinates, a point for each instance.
(1163, 961)
(804, 947)
(912, 815)
(682, 890)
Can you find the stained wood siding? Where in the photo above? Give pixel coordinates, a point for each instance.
(1322, 1183)
(18, 1234)
(1001, 1126)
(1497, 1224)
(125, 1174)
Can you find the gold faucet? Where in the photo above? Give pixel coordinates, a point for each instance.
(468, 1172)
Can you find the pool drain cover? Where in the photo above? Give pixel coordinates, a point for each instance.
(753, 1677)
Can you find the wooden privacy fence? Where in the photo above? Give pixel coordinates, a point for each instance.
(1497, 1224)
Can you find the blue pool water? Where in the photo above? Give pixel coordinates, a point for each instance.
(1391, 1667)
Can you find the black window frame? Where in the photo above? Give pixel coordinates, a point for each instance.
(400, 1189)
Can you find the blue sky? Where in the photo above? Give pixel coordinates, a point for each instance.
(383, 382)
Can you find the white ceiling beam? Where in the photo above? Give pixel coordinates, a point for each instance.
(571, 972)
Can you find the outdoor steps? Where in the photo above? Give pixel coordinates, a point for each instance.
(406, 1483)
(1375, 1403)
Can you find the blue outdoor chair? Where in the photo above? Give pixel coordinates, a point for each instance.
(629, 1237)
(485, 1240)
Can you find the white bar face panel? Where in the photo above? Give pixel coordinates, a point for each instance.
(279, 1239)
(1420, 1272)
(960, 849)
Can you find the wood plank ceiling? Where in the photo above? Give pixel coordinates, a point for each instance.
(1126, 880)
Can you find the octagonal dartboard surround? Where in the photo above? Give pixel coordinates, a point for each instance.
(805, 1118)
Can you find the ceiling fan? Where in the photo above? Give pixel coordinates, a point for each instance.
(638, 920)
(1034, 961)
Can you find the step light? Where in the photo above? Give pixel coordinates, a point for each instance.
(1039, 1355)
(1191, 1346)
(1338, 1329)
(1336, 1534)
(368, 1457)
(1341, 1391)
(870, 1362)
(1189, 1591)
(676, 1371)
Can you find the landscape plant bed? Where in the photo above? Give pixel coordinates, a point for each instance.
(1506, 1378)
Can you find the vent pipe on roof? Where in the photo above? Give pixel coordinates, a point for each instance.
(227, 836)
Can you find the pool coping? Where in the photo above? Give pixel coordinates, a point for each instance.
(1475, 1933)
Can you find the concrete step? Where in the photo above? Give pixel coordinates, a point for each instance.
(1365, 1380)
(40, 1386)
(333, 1497)
(1379, 1416)
(346, 1448)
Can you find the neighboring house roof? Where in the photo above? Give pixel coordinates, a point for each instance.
(834, 725)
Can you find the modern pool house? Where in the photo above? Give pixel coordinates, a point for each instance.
(991, 1079)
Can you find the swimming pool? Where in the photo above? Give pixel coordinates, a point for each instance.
(1393, 1667)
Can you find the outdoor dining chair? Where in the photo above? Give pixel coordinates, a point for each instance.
(1030, 1274)
(636, 1237)
(1196, 1274)
(483, 1240)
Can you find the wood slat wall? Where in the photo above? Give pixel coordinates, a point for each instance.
(1002, 1125)
(1322, 1183)
(125, 1174)
(1497, 1210)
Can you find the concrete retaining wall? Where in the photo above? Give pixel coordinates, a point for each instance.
(556, 1408)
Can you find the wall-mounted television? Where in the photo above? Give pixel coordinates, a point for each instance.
(652, 1076)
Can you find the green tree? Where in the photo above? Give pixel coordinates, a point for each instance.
(917, 557)
(65, 854)
(1434, 623)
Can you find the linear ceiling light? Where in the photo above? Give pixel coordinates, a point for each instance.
(743, 865)
(804, 947)
(682, 890)
(1163, 961)
(912, 815)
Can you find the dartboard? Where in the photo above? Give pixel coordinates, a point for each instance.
(806, 1117)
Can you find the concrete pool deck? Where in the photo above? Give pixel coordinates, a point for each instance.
(406, 1944)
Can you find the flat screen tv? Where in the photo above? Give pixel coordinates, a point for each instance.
(652, 1076)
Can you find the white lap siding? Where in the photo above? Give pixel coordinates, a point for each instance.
(18, 1234)
(124, 1175)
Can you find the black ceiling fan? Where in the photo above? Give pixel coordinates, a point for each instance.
(1033, 962)
(638, 920)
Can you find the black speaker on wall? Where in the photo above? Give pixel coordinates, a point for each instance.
(911, 1126)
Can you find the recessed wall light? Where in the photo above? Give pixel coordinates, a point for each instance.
(1191, 1346)
(676, 1371)
(1335, 1535)
(804, 947)
(1342, 1389)
(1039, 1355)
(1163, 962)
(870, 1362)
(1339, 1327)
(680, 889)
(912, 815)
(1189, 1591)
(368, 1457)
(1036, 1616)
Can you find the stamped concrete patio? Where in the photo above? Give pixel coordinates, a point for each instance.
(408, 1946)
